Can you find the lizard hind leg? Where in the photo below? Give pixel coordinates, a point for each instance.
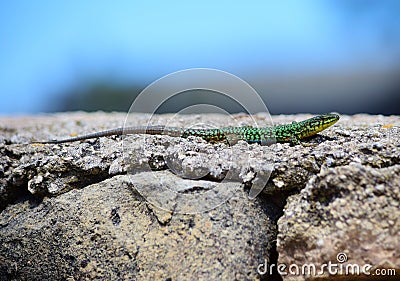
(294, 140)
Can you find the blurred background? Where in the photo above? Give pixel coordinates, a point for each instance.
(300, 56)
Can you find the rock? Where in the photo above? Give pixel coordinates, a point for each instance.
(156, 207)
(346, 215)
(108, 231)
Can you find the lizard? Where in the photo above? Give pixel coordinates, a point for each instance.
(292, 133)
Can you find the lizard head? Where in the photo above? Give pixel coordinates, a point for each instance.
(317, 124)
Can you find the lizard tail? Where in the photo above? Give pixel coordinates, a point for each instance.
(149, 130)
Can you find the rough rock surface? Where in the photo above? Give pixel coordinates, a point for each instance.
(346, 215)
(349, 212)
(107, 231)
(81, 210)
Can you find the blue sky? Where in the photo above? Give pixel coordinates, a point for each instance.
(46, 46)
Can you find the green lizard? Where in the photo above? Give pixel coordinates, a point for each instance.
(292, 133)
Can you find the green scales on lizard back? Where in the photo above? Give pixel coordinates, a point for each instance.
(292, 133)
